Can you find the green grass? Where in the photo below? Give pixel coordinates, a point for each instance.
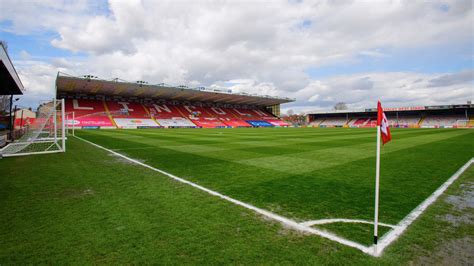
(86, 206)
(304, 174)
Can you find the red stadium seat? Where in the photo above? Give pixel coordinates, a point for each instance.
(163, 111)
(123, 109)
(88, 113)
(98, 113)
(200, 116)
(228, 117)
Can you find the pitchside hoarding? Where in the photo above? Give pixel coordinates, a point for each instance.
(87, 122)
(135, 122)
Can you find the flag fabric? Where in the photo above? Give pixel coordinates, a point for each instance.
(383, 123)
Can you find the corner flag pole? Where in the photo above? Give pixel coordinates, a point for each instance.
(377, 176)
(73, 123)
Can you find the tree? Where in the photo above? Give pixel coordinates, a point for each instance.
(340, 106)
(290, 112)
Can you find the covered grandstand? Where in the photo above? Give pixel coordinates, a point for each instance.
(100, 103)
(436, 116)
(10, 85)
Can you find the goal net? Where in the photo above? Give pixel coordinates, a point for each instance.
(44, 134)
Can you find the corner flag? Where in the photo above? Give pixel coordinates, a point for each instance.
(383, 123)
(382, 131)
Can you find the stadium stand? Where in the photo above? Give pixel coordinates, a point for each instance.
(88, 113)
(360, 122)
(317, 122)
(175, 122)
(129, 114)
(228, 117)
(418, 116)
(200, 116)
(168, 115)
(162, 110)
(255, 117)
(117, 103)
(372, 122)
(335, 122)
(126, 114)
(408, 121)
(441, 120)
(259, 123)
(124, 109)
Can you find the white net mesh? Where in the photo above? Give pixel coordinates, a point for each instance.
(44, 134)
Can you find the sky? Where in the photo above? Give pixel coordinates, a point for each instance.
(404, 53)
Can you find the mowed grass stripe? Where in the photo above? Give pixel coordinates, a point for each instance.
(332, 156)
(338, 184)
(191, 166)
(163, 142)
(219, 135)
(322, 156)
(346, 191)
(225, 152)
(314, 177)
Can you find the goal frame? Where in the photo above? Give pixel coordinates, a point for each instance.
(55, 140)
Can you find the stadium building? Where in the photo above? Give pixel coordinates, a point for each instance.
(435, 116)
(99, 103)
(10, 86)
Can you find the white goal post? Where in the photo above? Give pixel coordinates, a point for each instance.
(70, 123)
(46, 134)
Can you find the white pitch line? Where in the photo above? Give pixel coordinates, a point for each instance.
(285, 221)
(340, 220)
(392, 235)
(141, 148)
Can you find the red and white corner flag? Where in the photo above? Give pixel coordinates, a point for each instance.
(383, 132)
(383, 123)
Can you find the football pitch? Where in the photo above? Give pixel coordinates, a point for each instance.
(307, 175)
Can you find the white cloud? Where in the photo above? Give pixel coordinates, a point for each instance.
(395, 89)
(376, 54)
(38, 81)
(24, 55)
(451, 79)
(27, 16)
